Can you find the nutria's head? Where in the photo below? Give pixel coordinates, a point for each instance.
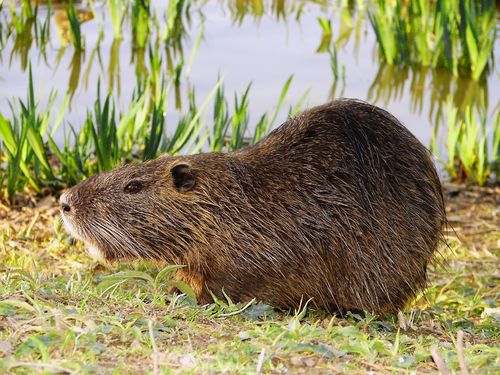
(130, 211)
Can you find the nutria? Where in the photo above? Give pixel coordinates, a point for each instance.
(341, 204)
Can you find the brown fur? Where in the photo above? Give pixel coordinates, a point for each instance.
(341, 204)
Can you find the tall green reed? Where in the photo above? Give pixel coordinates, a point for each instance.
(266, 122)
(220, 122)
(238, 121)
(26, 157)
(102, 127)
(469, 159)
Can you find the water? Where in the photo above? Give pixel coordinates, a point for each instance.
(241, 47)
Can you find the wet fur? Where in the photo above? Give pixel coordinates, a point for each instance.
(341, 204)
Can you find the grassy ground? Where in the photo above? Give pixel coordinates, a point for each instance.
(59, 313)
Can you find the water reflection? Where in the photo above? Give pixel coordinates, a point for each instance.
(63, 26)
(279, 9)
(114, 66)
(349, 17)
(422, 83)
(159, 38)
(95, 51)
(75, 69)
(22, 43)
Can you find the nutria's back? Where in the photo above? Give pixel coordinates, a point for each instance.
(341, 204)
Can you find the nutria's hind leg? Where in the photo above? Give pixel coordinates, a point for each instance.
(197, 282)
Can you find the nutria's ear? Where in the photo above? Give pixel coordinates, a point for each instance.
(183, 179)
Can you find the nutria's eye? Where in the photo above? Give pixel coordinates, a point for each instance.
(133, 187)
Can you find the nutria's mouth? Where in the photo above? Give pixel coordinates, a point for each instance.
(70, 227)
(103, 242)
(93, 249)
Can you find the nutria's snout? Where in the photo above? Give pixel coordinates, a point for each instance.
(73, 200)
(68, 211)
(74, 216)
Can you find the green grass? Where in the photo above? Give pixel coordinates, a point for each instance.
(60, 311)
